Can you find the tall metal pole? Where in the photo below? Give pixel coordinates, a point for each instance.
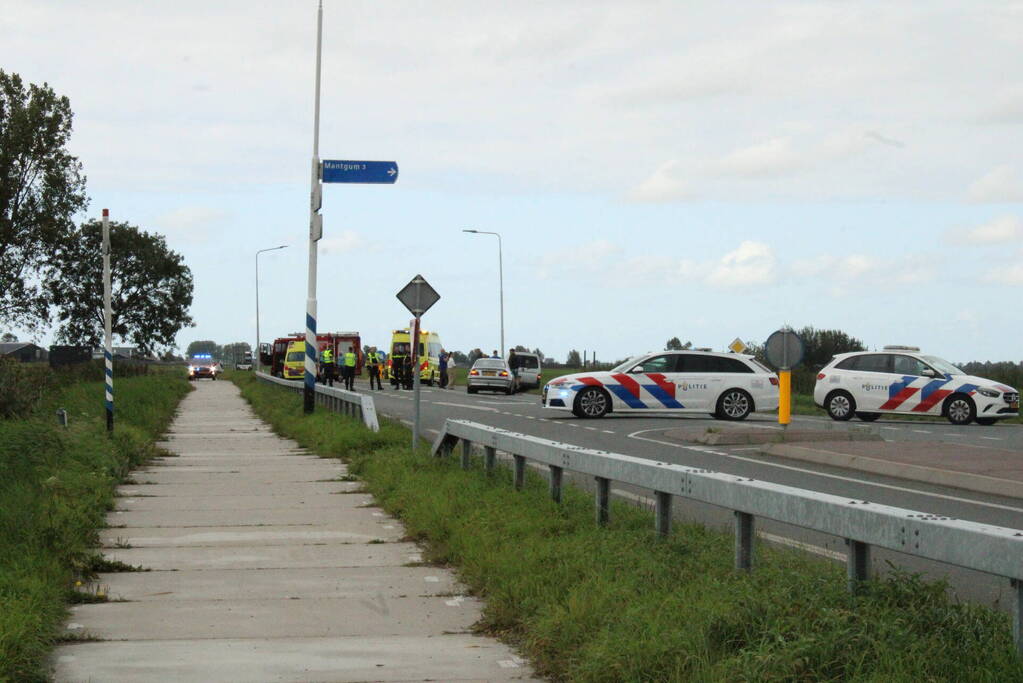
(414, 350)
(315, 232)
(283, 246)
(500, 270)
(108, 337)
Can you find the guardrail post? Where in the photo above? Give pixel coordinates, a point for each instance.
(466, 453)
(520, 472)
(489, 458)
(556, 475)
(857, 563)
(662, 514)
(603, 500)
(743, 541)
(1017, 613)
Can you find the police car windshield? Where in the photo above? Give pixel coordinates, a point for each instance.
(943, 366)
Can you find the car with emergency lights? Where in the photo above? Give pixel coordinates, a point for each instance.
(901, 380)
(203, 365)
(728, 386)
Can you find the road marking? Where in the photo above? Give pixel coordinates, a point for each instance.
(592, 429)
(893, 428)
(991, 438)
(607, 431)
(921, 431)
(543, 419)
(853, 480)
(954, 434)
(466, 405)
(569, 424)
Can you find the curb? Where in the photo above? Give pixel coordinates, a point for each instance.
(930, 475)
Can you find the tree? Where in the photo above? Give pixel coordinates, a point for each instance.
(232, 353)
(820, 345)
(675, 344)
(41, 188)
(150, 284)
(475, 355)
(8, 338)
(203, 346)
(574, 360)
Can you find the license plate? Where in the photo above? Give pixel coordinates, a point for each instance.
(489, 373)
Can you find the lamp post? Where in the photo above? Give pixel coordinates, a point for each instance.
(283, 246)
(500, 270)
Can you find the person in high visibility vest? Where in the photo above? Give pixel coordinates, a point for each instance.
(373, 363)
(327, 365)
(349, 369)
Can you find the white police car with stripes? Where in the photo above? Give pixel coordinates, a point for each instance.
(729, 386)
(901, 380)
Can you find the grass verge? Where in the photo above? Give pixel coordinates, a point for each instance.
(56, 487)
(617, 604)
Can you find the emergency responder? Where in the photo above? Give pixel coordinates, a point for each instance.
(327, 365)
(349, 369)
(406, 371)
(373, 363)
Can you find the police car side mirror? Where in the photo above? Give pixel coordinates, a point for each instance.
(638, 368)
(928, 372)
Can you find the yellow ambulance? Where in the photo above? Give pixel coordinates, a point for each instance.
(294, 361)
(429, 354)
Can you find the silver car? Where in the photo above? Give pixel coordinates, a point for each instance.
(492, 374)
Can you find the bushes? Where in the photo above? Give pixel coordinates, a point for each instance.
(56, 487)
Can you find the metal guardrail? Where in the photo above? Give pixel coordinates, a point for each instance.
(992, 549)
(337, 400)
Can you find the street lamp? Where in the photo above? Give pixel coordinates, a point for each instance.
(500, 270)
(283, 246)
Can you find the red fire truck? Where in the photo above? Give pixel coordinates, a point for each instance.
(271, 356)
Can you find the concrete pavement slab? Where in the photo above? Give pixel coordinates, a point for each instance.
(286, 513)
(371, 615)
(452, 658)
(303, 473)
(263, 502)
(294, 582)
(268, 556)
(228, 488)
(368, 530)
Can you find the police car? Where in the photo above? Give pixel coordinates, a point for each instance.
(729, 386)
(901, 380)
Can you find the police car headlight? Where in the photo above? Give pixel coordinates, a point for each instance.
(990, 393)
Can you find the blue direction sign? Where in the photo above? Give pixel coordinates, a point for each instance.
(343, 171)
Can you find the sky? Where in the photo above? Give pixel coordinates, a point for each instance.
(700, 169)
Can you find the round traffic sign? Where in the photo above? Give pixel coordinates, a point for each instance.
(784, 349)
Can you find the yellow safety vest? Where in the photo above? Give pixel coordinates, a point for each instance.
(328, 356)
(373, 359)
(350, 359)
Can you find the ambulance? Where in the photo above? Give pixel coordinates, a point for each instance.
(429, 355)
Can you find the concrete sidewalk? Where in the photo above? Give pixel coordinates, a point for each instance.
(267, 566)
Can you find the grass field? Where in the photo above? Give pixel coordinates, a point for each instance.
(56, 487)
(618, 604)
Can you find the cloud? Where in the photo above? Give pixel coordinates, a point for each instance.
(861, 268)
(348, 240)
(191, 223)
(1001, 230)
(752, 263)
(1007, 275)
(592, 257)
(1001, 184)
(783, 156)
(664, 185)
(1007, 109)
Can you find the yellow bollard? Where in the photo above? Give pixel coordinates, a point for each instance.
(784, 396)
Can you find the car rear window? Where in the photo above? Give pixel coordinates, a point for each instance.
(528, 362)
(489, 363)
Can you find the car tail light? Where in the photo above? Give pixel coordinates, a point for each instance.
(474, 372)
(774, 381)
(820, 376)
(504, 373)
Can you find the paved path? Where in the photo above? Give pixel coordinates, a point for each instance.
(266, 566)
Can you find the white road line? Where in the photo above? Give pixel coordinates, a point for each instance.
(954, 434)
(824, 474)
(592, 429)
(894, 428)
(607, 431)
(921, 431)
(991, 438)
(543, 419)
(466, 405)
(569, 424)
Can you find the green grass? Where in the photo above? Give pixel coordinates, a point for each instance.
(618, 604)
(56, 487)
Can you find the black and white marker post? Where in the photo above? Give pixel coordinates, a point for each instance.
(108, 338)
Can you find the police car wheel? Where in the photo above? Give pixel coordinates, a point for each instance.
(960, 409)
(734, 404)
(868, 417)
(591, 402)
(840, 405)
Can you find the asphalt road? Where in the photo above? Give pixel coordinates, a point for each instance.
(645, 436)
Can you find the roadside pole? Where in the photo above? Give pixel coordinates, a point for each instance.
(417, 296)
(784, 350)
(108, 338)
(315, 233)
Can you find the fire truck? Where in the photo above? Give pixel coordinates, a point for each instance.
(272, 356)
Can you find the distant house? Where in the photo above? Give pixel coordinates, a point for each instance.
(119, 353)
(24, 352)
